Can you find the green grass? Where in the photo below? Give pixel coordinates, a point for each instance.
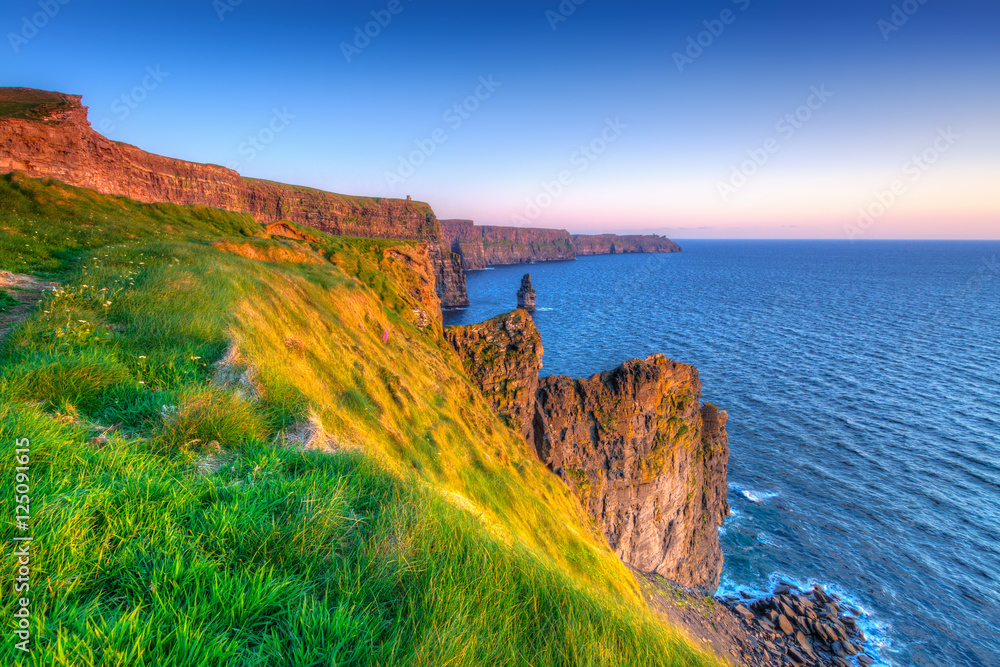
(193, 533)
(6, 301)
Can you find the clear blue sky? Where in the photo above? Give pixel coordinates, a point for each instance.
(692, 145)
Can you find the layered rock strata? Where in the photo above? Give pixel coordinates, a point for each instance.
(47, 135)
(645, 457)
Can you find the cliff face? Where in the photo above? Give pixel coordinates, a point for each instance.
(485, 245)
(412, 268)
(480, 246)
(449, 278)
(645, 457)
(636, 447)
(503, 357)
(615, 244)
(55, 140)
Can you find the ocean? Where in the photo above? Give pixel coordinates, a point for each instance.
(862, 382)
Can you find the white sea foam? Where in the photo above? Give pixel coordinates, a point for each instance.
(758, 496)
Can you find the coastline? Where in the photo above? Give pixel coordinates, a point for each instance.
(811, 627)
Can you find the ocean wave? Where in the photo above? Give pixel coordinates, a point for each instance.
(758, 496)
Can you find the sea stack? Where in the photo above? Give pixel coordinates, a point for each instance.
(526, 295)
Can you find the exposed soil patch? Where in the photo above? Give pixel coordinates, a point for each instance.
(236, 373)
(24, 293)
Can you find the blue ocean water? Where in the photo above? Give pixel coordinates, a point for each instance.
(862, 382)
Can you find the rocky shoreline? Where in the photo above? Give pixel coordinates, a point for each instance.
(798, 627)
(789, 628)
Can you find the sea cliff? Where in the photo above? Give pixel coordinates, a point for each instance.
(645, 458)
(480, 246)
(329, 429)
(617, 244)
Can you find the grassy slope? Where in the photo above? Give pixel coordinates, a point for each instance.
(30, 104)
(360, 202)
(425, 536)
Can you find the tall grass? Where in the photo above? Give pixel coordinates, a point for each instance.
(193, 533)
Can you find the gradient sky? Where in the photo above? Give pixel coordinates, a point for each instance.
(228, 65)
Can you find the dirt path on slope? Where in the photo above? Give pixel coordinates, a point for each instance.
(24, 289)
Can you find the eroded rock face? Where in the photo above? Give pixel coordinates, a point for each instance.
(449, 279)
(646, 458)
(60, 143)
(503, 356)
